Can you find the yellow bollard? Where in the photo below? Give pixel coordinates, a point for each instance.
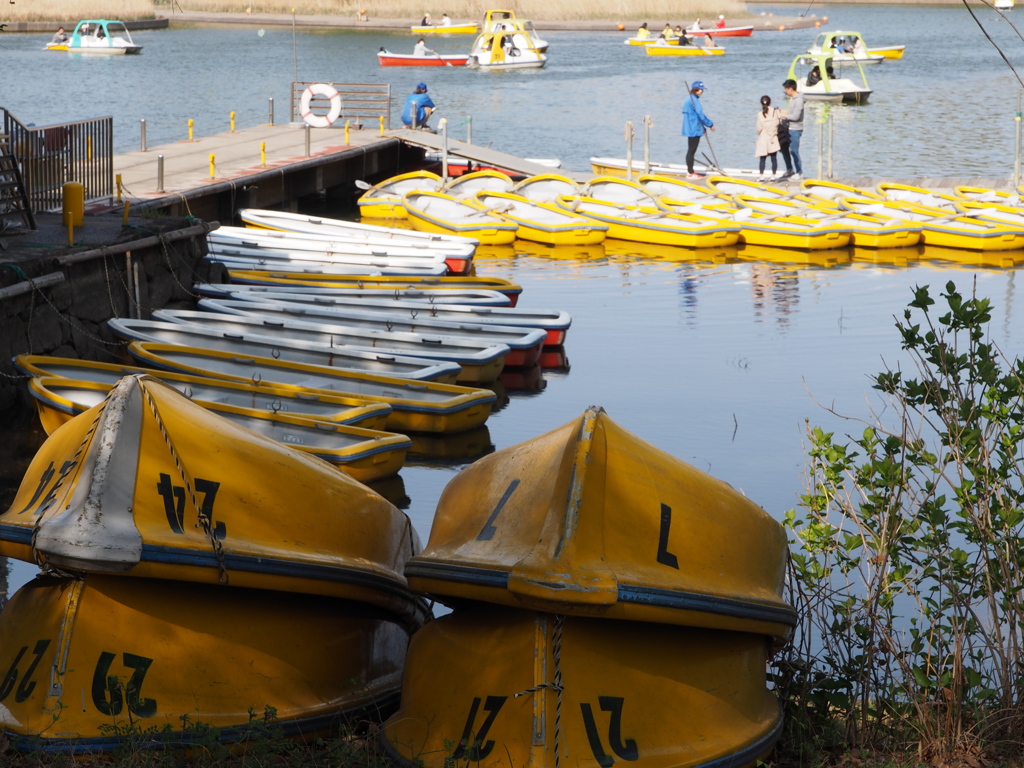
(213, 167)
(74, 202)
(263, 153)
(232, 122)
(124, 219)
(88, 147)
(347, 124)
(382, 125)
(191, 123)
(118, 179)
(70, 224)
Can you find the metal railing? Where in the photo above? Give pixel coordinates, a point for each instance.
(358, 100)
(51, 155)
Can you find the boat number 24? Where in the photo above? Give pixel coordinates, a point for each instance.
(477, 747)
(664, 556)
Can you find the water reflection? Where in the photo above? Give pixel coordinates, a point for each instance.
(524, 379)
(776, 292)
(460, 448)
(393, 489)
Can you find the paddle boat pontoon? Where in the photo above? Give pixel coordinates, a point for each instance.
(830, 87)
(100, 36)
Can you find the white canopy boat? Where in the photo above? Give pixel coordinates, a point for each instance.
(829, 43)
(506, 50)
(830, 88)
(100, 36)
(505, 20)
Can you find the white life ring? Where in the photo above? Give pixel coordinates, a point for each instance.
(320, 121)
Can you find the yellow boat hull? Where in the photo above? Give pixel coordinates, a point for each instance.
(892, 52)
(187, 495)
(502, 688)
(377, 208)
(683, 50)
(100, 660)
(797, 239)
(641, 232)
(590, 520)
(486, 236)
(450, 29)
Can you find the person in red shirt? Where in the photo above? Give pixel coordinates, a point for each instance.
(720, 24)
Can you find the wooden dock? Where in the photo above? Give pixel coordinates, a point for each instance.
(268, 166)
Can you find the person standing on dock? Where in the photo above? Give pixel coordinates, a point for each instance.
(418, 108)
(695, 125)
(795, 113)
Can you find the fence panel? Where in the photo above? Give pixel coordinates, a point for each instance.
(358, 100)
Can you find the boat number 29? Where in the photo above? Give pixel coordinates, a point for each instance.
(664, 556)
(475, 746)
(174, 503)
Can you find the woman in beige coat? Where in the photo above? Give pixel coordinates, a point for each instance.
(767, 138)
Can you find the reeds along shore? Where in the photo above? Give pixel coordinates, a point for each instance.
(654, 11)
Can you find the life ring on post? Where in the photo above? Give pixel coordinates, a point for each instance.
(328, 92)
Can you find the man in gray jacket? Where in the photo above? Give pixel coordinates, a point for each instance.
(795, 114)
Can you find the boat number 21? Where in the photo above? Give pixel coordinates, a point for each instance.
(478, 747)
(664, 556)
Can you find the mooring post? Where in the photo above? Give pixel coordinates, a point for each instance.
(469, 129)
(117, 179)
(213, 167)
(307, 139)
(191, 125)
(647, 143)
(443, 125)
(831, 136)
(159, 173)
(232, 121)
(263, 153)
(142, 134)
(629, 150)
(270, 116)
(1016, 144)
(821, 144)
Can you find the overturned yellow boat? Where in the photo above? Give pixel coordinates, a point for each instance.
(101, 662)
(590, 520)
(149, 484)
(501, 688)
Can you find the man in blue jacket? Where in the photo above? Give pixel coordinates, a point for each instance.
(695, 123)
(419, 106)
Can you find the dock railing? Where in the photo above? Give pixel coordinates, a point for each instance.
(358, 101)
(51, 155)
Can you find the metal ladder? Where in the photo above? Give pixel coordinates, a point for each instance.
(14, 204)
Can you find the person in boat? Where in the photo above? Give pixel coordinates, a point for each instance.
(720, 24)
(643, 33)
(844, 46)
(100, 34)
(709, 42)
(684, 40)
(695, 124)
(59, 37)
(426, 22)
(814, 76)
(445, 21)
(695, 27)
(859, 49)
(667, 33)
(829, 72)
(767, 144)
(795, 115)
(420, 49)
(418, 108)
(678, 31)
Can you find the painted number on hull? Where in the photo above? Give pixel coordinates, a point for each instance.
(478, 747)
(174, 503)
(625, 750)
(664, 556)
(27, 684)
(107, 688)
(489, 529)
(46, 493)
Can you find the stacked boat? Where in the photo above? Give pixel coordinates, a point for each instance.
(188, 590)
(596, 584)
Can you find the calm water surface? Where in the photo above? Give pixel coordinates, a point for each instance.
(716, 359)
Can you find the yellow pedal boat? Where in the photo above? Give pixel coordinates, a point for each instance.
(503, 688)
(416, 406)
(149, 484)
(648, 224)
(986, 195)
(833, 191)
(437, 212)
(467, 185)
(382, 283)
(100, 663)
(920, 195)
(590, 520)
(543, 222)
(866, 230)
(546, 187)
(243, 396)
(384, 200)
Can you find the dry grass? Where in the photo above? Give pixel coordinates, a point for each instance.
(657, 11)
(75, 10)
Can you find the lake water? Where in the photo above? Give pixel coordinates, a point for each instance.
(714, 358)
